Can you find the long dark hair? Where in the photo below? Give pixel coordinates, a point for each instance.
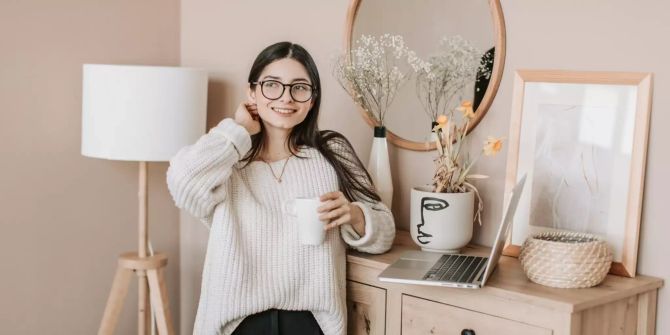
(354, 181)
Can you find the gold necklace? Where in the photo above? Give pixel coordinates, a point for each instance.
(279, 179)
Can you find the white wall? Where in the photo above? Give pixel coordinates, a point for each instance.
(603, 35)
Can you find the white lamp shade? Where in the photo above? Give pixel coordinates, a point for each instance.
(141, 113)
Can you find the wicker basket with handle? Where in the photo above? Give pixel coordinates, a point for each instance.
(566, 259)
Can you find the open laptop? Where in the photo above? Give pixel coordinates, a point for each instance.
(453, 270)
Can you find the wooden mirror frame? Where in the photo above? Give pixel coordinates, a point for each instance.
(491, 90)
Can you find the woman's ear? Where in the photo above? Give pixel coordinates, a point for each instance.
(251, 94)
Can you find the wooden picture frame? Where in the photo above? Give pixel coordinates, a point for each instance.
(582, 139)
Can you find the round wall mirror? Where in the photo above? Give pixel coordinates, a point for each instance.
(423, 23)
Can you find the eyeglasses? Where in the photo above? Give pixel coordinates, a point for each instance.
(273, 90)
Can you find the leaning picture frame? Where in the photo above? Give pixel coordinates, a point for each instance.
(582, 139)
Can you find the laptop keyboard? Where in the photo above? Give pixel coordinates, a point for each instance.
(456, 268)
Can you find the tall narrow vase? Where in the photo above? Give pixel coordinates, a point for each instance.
(379, 166)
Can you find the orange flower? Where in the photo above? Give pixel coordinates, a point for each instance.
(441, 123)
(492, 146)
(466, 109)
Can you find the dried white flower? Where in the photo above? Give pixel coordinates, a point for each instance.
(373, 71)
(453, 66)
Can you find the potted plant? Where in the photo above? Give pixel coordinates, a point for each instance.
(442, 214)
(371, 74)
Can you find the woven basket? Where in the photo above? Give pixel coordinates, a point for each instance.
(566, 260)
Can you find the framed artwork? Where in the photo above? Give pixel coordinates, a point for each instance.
(582, 139)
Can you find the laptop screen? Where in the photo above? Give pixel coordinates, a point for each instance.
(503, 231)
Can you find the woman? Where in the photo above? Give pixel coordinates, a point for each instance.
(239, 179)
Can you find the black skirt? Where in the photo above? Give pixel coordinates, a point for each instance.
(279, 322)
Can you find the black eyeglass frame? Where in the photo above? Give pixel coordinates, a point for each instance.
(283, 89)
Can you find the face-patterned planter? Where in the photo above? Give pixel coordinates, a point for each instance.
(441, 222)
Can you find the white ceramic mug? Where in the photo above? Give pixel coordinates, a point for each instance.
(310, 229)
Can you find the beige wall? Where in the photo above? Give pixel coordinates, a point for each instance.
(64, 218)
(606, 36)
(579, 35)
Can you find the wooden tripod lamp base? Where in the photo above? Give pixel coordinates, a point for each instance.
(150, 267)
(149, 270)
(165, 110)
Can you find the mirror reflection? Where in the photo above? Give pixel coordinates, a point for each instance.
(423, 23)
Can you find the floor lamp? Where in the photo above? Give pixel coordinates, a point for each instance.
(144, 114)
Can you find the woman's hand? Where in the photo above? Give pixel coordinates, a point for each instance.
(246, 116)
(337, 210)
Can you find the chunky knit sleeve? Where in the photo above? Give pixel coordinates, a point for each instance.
(379, 229)
(379, 222)
(198, 173)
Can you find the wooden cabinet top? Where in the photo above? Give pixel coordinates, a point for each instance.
(509, 281)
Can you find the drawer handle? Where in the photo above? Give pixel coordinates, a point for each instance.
(468, 332)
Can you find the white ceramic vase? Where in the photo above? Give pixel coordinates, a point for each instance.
(380, 168)
(441, 222)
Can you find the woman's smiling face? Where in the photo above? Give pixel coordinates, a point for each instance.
(284, 112)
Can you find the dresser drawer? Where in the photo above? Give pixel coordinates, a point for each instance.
(420, 316)
(366, 309)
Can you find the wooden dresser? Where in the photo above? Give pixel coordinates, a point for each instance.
(508, 304)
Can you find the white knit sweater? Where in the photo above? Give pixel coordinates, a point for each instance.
(254, 261)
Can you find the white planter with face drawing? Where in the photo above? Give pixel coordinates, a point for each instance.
(441, 222)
